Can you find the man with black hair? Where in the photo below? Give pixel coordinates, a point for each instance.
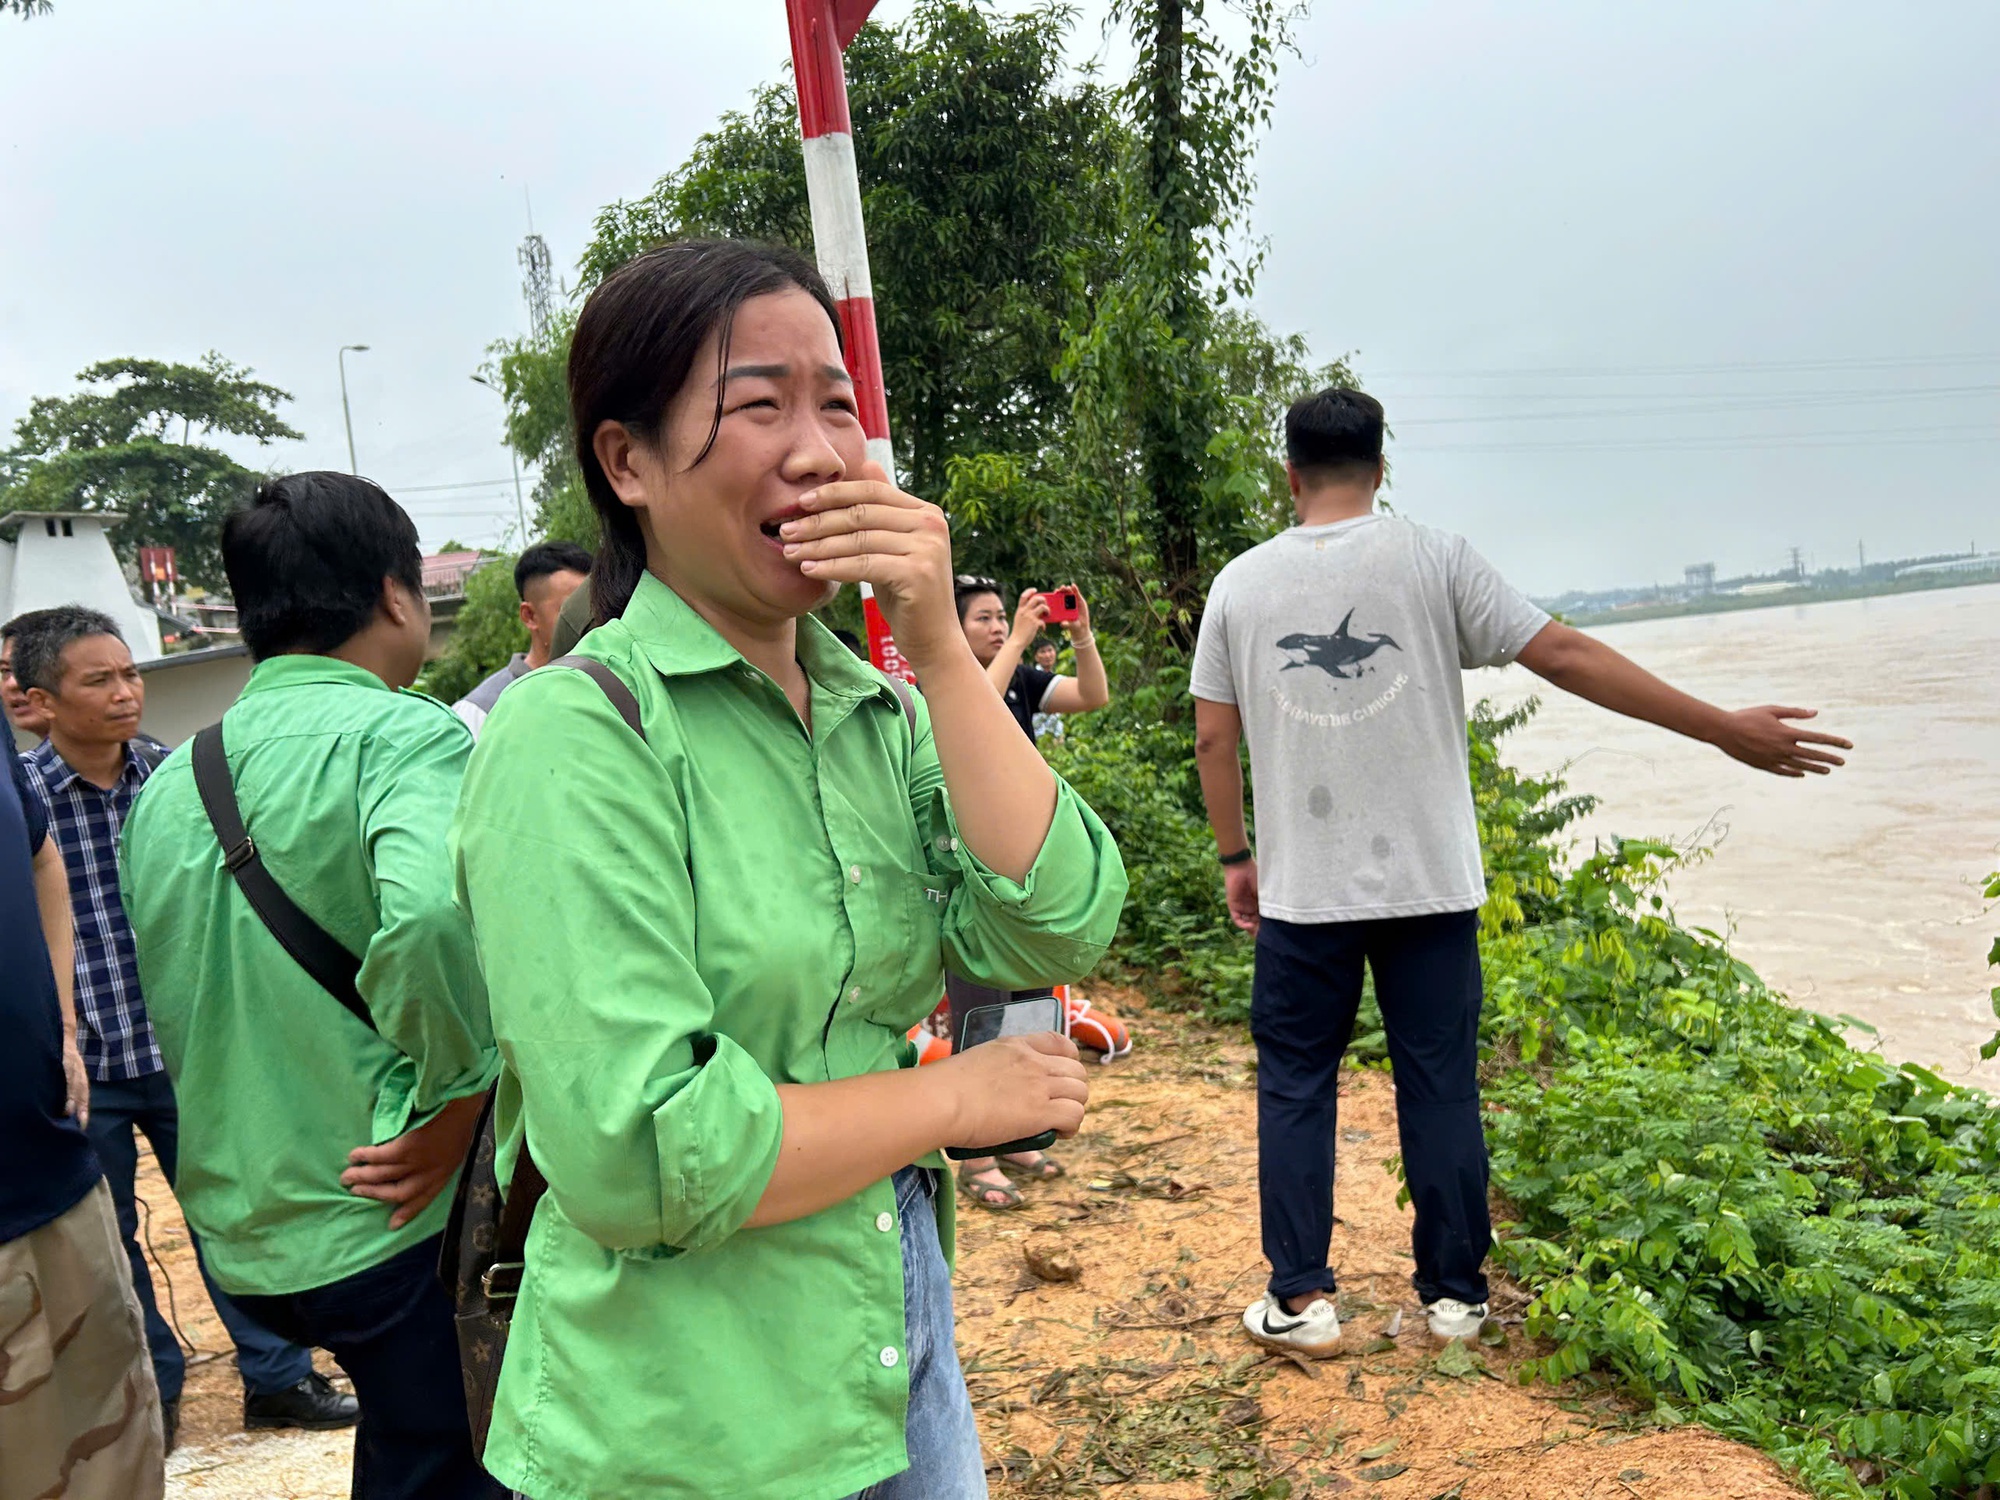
(20, 714)
(545, 576)
(318, 1148)
(1335, 648)
(78, 676)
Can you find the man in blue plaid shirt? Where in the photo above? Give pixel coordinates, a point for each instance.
(75, 669)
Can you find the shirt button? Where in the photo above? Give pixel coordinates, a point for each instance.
(885, 1222)
(889, 1358)
(750, 674)
(854, 873)
(854, 995)
(946, 844)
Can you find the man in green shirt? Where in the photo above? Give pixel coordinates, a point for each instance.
(317, 1150)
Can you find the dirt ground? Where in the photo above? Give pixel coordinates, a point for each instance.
(1135, 1378)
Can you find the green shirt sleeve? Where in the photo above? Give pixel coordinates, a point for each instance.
(420, 971)
(1048, 928)
(652, 1128)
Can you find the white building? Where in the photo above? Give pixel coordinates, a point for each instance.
(64, 557)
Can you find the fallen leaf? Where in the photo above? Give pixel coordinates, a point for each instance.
(1382, 1471)
(1243, 1413)
(1395, 1327)
(1051, 1262)
(1380, 1450)
(1458, 1361)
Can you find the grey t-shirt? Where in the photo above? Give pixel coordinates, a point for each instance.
(477, 704)
(1341, 648)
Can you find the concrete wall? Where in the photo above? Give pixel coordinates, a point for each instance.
(187, 693)
(78, 568)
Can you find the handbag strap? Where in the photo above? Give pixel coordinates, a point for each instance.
(517, 1209)
(907, 698)
(311, 946)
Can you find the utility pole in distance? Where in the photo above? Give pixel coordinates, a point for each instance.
(346, 413)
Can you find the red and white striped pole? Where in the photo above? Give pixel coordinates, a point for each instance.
(821, 30)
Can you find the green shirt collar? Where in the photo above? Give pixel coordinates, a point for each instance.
(680, 643)
(301, 669)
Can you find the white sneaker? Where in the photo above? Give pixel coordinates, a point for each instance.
(1452, 1319)
(1314, 1333)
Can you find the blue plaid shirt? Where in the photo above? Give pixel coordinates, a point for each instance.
(85, 821)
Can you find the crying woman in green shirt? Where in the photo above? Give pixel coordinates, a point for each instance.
(704, 945)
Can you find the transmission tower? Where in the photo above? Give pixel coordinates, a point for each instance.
(535, 283)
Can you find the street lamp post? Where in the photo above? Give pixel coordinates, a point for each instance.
(347, 415)
(520, 507)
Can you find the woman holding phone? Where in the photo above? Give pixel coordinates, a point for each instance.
(704, 945)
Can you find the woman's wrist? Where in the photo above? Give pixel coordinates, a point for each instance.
(1085, 640)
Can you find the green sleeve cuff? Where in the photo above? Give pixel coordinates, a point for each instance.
(718, 1138)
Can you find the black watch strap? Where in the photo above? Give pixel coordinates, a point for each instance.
(1241, 856)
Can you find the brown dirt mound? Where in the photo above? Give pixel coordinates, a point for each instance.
(1136, 1378)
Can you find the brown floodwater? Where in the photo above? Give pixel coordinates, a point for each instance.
(1855, 894)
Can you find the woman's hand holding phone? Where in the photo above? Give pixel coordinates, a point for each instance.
(1014, 1087)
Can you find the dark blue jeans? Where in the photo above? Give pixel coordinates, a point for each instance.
(390, 1327)
(117, 1110)
(1302, 1010)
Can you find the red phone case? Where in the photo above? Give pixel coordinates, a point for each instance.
(1064, 606)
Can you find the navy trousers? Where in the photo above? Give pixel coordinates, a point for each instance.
(1302, 1009)
(390, 1328)
(267, 1363)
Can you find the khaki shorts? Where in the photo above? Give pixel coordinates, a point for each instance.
(79, 1413)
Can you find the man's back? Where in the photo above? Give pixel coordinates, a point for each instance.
(347, 788)
(1341, 646)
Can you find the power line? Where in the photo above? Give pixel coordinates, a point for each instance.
(1746, 366)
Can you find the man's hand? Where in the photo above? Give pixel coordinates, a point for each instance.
(76, 1084)
(1239, 884)
(410, 1171)
(1761, 737)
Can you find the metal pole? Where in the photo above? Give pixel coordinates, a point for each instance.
(820, 31)
(520, 507)
(347, 415)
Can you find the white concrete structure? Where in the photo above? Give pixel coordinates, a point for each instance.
(64, 557)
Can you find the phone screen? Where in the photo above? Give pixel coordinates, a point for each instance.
(1011, 1018)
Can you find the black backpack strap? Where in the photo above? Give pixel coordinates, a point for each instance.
(502, 1279)
(311, 946)
(907, 698)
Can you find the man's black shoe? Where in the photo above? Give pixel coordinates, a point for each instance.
(312, 1404)
(170, 1421)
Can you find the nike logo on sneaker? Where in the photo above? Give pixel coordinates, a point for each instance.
(1277, 1328)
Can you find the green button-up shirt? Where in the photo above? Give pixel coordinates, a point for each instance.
(670, 929)
(348, 789)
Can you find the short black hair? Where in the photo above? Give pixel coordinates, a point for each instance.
(544, 558)
(42, 635)
(1335, 433)
(969, 586)
(306, 556)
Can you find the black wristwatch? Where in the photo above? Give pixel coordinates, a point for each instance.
(1241, 856)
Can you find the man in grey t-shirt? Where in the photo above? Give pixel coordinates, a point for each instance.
(545, 576)
(1335, 649)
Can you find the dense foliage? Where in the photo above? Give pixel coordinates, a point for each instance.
(134, 441)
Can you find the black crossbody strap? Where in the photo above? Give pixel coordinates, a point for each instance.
(907, 698)
(517, 1211)
(311, 946)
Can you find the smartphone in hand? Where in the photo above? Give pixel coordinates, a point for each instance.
(1065, 606)
(1023, 1015)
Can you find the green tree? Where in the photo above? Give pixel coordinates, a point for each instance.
(135, 442)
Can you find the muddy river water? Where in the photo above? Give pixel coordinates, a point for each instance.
(1858, 893)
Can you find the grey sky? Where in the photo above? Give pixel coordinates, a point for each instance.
(1735, 218)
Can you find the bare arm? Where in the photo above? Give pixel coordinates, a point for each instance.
(843, 1135)
(1760, 737)
(1090, 689)
(59, 932)
(1218, 734)
(1028, 615)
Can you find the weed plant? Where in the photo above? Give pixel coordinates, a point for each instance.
(1713, 1195)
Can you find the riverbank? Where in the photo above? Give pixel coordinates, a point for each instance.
(1778, 598)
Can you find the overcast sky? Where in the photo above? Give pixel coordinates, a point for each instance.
(1641, 285)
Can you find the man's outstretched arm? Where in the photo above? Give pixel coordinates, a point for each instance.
(1760, 737)
(1218, 737)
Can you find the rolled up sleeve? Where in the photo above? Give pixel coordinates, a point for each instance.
(1051, 926)
(653, 1130)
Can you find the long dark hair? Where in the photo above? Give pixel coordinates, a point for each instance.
(634, 351)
